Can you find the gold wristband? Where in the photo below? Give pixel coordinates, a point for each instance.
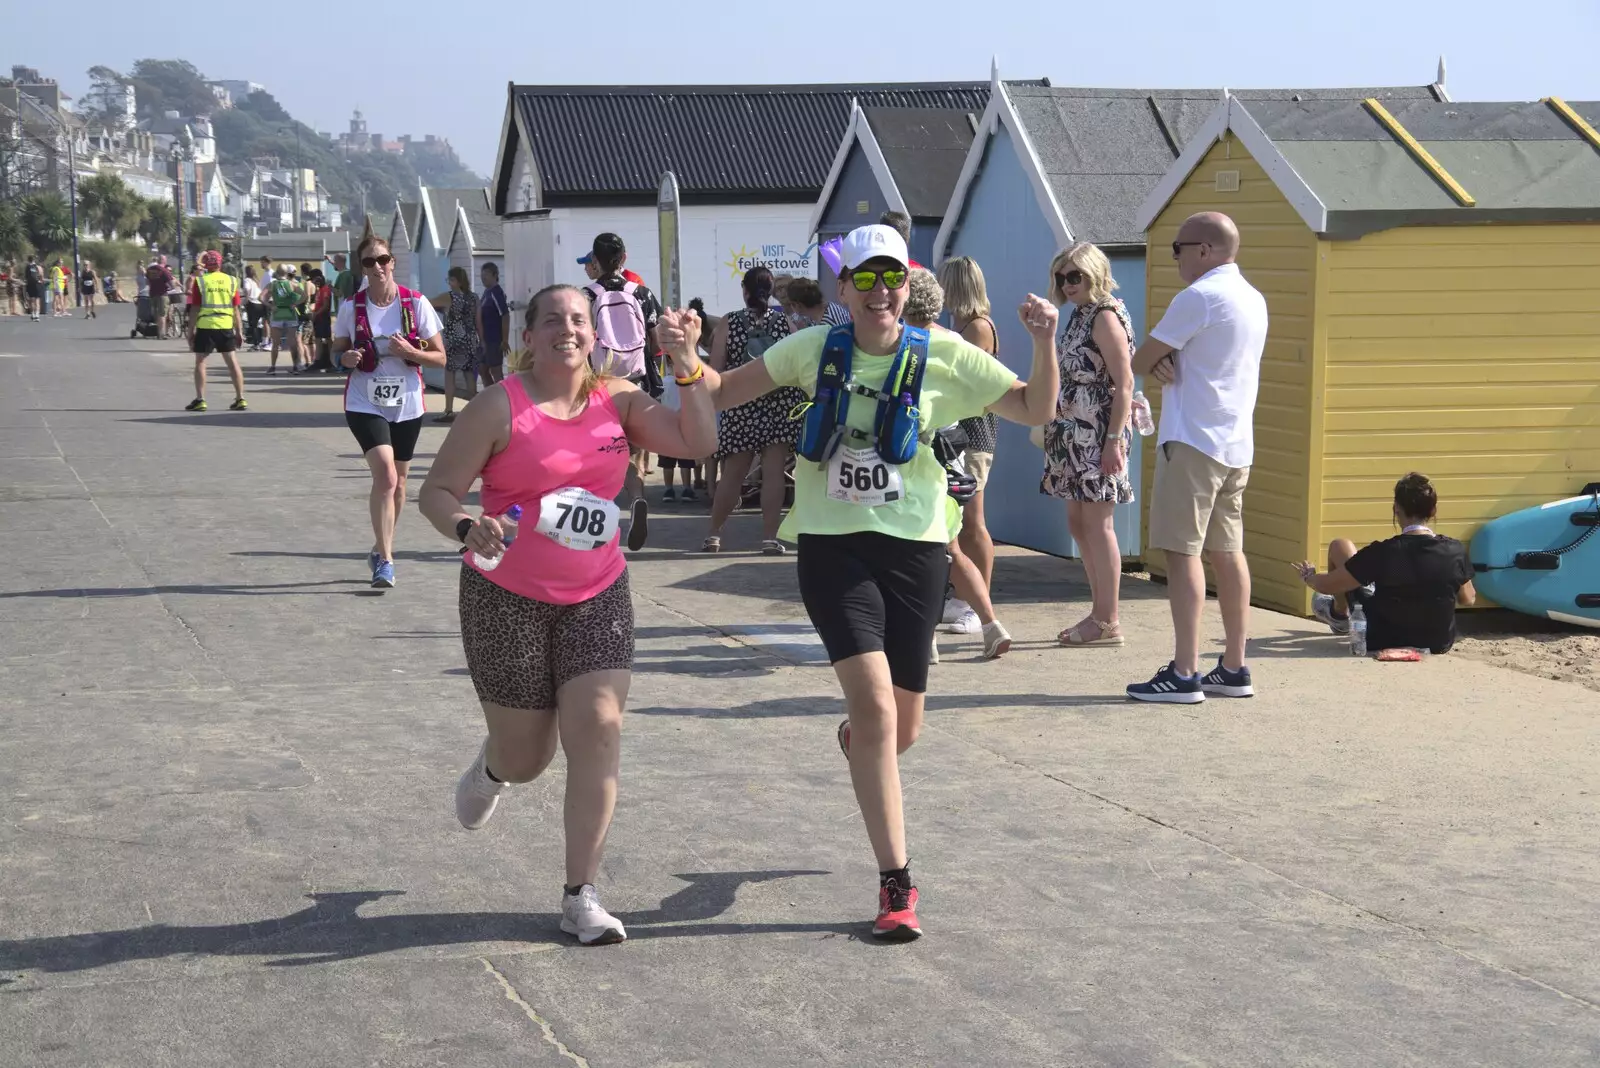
(699, 373)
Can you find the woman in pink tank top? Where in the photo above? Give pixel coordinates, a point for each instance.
(546, 614)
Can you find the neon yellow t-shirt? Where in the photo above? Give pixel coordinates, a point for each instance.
(960, 382)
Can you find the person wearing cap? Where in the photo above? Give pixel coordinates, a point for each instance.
(872, 565)
(591, 269)
(214, 327)
(607, 260)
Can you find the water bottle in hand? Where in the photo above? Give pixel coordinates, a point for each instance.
(1358, 630)
(1141, 414)
(508, 528)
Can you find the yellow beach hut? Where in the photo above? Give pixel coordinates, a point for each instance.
(1432, 273)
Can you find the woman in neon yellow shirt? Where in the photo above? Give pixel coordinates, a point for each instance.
(872, 565)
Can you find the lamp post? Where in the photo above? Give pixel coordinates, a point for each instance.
(72, 195)
(299, 177)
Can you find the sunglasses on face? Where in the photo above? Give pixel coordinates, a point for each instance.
(865, 281)
(369, 262)
(1069, 278)
(1178, 247)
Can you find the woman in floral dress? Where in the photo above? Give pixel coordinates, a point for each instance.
(460, 309)
(762, 427)
(1086, 446)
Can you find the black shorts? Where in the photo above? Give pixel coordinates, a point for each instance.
(209, 341)
(374, 430)
(321, 329)
(870, 593)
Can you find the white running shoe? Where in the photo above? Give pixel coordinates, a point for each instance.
(954, 609)
(584, 916)
(933, 655)
(476, 793)
(996, 640)
(966, 623)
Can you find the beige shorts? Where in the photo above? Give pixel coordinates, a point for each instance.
(978, 465)
(1197, 502)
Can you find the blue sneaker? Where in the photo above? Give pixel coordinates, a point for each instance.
(373, 560)
(1169, 687)
(1225, 683)
(383, 575)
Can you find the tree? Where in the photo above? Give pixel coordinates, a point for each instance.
(13, 238)
(47, 220)
(107, 205)
(160, 218)
(200, 233)
(172, 84)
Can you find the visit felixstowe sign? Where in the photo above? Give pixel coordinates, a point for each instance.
(779, 259)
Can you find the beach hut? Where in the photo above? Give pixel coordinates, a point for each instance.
(1050, 165)
(1432, 272)
(895, 159)
(477, 238)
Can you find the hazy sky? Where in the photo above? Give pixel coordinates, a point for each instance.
(446, 71)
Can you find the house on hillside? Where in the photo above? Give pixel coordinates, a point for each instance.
(895, 159)
(751, 162)
(1050, 165)
(1432, 274)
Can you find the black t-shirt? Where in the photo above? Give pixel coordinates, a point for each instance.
(1416, 578)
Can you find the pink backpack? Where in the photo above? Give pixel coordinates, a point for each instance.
(619, 330)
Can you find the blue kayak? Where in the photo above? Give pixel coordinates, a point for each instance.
(1544, 561)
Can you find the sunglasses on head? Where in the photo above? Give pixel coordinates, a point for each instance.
(370, 262)
(866, 280)
(1069, 278)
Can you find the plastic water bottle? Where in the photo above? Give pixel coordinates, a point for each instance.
(1358, 630)
(509, 524)
(1141, 414)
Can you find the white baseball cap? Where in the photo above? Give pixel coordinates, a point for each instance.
(871, 243)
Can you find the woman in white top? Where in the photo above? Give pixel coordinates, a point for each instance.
(384, 336)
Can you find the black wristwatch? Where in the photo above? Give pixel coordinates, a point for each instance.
(462, 526)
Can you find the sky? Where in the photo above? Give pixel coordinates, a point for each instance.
(447, 73)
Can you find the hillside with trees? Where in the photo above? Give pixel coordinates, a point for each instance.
(260, 126)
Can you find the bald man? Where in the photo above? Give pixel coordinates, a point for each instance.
(1206, 352)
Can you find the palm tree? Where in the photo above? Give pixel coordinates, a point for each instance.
(200, 232)
(105, 201)
(160, 219)
(13, 238)
(47, 220)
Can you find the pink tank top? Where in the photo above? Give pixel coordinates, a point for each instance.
(547, 454)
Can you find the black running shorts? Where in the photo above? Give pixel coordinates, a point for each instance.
(870, 593)
(374, 430)
(209, 341)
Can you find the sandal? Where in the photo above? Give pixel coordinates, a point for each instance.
(713, 544)
(1109, 634)
(447, 418)
(772, 547)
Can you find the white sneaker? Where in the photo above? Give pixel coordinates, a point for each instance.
(933, 655)
(954, 609)
(476, 793)
(584, 916)
(996, 640)
(966, 623)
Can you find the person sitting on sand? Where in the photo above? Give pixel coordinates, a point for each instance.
(1408, 586)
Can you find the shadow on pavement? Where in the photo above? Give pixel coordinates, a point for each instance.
(332, 929)
(834, 706)
(417, 555)
(224, 589)
(253, 419)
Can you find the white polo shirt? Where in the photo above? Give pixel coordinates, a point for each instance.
(1218, 327)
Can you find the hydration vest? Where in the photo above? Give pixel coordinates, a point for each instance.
(216, 301)
(897, 426)
(408, 326)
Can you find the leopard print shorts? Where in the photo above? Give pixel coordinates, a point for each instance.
(521, 651)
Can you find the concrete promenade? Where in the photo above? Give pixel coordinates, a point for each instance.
(226, 833)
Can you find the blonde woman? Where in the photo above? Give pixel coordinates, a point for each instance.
(1086, 445)
(966, 297)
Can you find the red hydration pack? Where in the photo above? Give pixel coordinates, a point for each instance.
(408, 326)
